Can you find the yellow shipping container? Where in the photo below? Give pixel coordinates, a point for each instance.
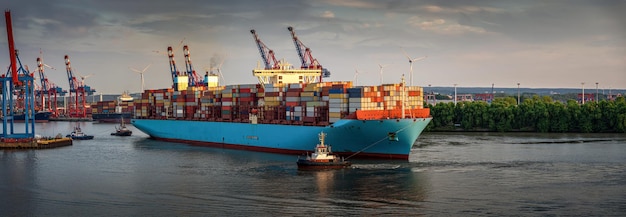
(338, 95)
(334, 115)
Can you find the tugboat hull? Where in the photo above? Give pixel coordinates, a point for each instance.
(304, 164)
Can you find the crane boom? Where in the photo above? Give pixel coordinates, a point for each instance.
(12, 51)
(42, 76)
(306, 58)
(269, 60)
(173, 70)
(70, 75)
(194, 80)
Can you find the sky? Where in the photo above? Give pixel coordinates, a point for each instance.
(539, 44)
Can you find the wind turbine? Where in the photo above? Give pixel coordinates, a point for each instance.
(82, 77)
(219, 72)
(381, 72)
(141, 73)
(411, 60)
(356, 77)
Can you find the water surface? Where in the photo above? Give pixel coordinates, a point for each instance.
(487, 174)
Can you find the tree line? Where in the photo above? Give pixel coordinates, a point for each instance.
(535, 114)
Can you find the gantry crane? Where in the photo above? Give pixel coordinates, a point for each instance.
(48, 91)
(282, 72)
(269, 60)
(194, 79)
(306, 58)
(77, 105)
(179, 79)
(16, 82)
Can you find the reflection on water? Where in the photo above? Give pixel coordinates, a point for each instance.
(448, 174)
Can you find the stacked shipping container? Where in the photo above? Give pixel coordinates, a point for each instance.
(110, 107)
(307, 104)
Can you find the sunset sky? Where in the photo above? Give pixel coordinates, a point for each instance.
(540, 44)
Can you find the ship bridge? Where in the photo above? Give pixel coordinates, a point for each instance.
(286, 74)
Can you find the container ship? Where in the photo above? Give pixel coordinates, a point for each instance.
(284, 114)
(113, 111)
(285, 111)
(40, 117)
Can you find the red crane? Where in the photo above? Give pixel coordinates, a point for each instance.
(17, 81)
(77, 105)
(306, 58)
(194, 79)
(48, 91)
(269, 60)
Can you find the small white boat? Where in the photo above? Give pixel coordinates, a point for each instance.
(78, 134)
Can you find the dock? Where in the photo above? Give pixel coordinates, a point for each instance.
(35, 144)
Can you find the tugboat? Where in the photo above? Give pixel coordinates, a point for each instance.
(78, 134)
(122, 130)
(322, 158)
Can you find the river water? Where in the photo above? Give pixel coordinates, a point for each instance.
(448, 174)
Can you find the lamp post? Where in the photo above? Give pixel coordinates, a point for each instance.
(454, 94)
(518, 93)
(596, 91)
(583, 97)
(428, 96)
(492, 93)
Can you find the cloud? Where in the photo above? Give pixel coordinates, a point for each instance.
(328, 14)
(354, 4)
(441, 26)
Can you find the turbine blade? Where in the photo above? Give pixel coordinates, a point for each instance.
(405, 54)
(144, 69)
(419, 58)
(134, 70)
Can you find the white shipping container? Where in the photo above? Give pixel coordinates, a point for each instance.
(337, 110)
(337, 105)
(334, 100)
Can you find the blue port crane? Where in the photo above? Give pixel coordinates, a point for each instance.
(16, 83)
(306, 58)
(194, 79)
(269, 60)
(174, 71)
(77, 106)
(49, 91)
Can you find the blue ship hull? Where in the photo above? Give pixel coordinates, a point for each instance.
(388, 138)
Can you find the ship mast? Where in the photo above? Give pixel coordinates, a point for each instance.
(403, 95)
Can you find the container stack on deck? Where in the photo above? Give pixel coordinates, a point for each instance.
(109, 107)
(302, 104)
